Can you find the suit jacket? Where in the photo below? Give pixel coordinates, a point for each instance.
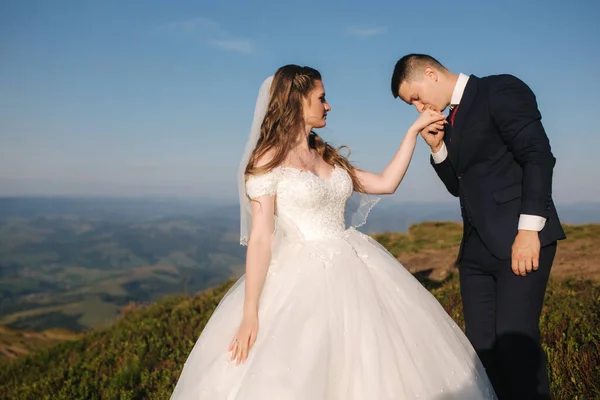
(499, 162)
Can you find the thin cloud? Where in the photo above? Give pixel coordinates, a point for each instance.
(209, 32)
(192, 27)
(238, 45)
(366, 31)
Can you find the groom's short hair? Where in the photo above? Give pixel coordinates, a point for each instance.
(408, 67)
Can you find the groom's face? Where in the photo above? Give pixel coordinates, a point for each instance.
(423, 92)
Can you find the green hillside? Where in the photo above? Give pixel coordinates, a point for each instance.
(76, 273)
(141, 356)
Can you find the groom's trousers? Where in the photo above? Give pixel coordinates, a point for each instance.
(502, 312)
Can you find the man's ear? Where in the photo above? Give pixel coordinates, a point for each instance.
(431, 73)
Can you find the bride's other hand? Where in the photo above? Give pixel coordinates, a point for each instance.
(244, 340)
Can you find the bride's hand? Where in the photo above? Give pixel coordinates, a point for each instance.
(429, 119)
(244, 339)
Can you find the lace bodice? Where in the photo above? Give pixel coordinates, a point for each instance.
(314, 205)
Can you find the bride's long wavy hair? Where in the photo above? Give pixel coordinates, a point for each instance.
(284, 120)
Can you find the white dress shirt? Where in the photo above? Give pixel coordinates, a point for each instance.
(526, 221)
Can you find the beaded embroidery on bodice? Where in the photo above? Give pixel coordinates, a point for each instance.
(314, 205)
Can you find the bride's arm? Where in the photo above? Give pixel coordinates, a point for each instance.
(258, 258)
(258, 255)
(388, 181)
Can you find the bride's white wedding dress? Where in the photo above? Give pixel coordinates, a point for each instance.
(339, 317)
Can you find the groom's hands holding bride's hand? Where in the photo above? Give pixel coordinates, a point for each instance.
(431, 126)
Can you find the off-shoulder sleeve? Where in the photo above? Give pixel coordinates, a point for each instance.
(261, 185)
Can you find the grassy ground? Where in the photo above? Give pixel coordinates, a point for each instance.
(141, 355)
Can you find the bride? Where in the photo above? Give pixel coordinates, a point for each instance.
(323, 312)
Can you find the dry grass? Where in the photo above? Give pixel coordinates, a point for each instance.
(16, 343)
(433, 247)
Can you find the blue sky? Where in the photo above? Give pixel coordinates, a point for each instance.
(142, 98)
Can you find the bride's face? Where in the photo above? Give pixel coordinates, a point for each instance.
(315, 107)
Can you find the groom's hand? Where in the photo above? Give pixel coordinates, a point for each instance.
(525, 252)
(434, 136)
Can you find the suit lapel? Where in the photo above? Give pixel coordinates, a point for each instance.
(448, 141)
(461, 115)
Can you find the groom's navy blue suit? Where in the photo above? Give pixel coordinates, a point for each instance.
(500, 165)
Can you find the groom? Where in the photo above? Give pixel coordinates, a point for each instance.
(494, 156)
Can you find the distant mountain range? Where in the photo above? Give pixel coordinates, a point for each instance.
(387, 216)
(75, 262)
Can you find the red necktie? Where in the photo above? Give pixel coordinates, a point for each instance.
(452, 114)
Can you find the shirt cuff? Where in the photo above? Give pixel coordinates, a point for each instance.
(531, 222)
(441, 155)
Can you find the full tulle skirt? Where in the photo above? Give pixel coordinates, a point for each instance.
(339, 319)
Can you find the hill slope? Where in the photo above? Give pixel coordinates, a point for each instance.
(76, 273)
(430, 249)
(140, 356)
(16, 343)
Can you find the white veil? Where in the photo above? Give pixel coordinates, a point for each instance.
(358, 206)
(262, 102)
